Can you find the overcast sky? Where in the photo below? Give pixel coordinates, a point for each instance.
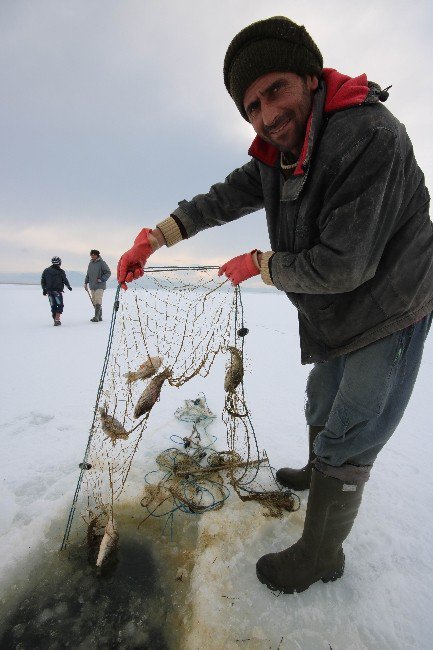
(112, 111)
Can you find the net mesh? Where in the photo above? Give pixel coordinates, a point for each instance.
(170, 328)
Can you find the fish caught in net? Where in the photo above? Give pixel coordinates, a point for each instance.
(170, 328)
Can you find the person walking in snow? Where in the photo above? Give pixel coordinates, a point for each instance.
(96, 277)
(351, 247)
(53, 282)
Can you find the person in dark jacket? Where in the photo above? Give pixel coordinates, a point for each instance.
(351, 247)
(53, 282)
(96, 277)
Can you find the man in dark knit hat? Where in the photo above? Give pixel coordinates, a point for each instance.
(351, 247)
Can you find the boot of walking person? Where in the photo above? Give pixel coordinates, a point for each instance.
(299, 479)
(100, 313)
(57, 320)
(331, 510)
(96, 319)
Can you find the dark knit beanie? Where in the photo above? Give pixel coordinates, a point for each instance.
(273, 45)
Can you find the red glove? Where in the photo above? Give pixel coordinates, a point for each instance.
(130, 265)
(240, 268)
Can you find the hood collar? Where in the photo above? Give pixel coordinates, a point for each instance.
(341, 92)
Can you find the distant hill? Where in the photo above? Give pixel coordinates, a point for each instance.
(76, 278)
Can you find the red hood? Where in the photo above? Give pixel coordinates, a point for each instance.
(341, 92)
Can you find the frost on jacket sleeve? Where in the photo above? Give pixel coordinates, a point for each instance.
(356, 220)
(240, 194)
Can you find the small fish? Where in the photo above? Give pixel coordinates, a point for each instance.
(109, 540)
(145, 370)
(112, 428)
(235, 372)
(150, 394)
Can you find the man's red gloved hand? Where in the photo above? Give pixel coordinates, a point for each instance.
(240, 268)
(130, 265)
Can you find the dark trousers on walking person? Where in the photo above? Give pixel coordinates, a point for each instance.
(56, 303)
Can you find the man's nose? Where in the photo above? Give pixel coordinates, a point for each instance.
(269, 113)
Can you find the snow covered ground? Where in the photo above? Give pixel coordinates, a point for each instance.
(49, 382)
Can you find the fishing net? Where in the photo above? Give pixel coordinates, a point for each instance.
(170, 328)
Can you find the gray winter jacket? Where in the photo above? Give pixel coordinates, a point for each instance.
(97, 269)
(351, 237)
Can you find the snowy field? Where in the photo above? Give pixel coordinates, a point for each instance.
(49, 382)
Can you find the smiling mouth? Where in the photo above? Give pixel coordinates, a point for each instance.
(278, 130)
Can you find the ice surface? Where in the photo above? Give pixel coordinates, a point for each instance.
(49, 382)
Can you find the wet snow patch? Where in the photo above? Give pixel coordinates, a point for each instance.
(137, 600)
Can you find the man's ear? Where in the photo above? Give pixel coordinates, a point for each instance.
(312, 82)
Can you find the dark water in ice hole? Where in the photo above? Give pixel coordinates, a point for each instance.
(135, 601)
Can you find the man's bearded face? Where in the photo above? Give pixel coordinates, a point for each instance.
(278, 106)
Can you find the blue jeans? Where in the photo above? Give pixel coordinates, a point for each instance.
(359, 400)
(56, 302)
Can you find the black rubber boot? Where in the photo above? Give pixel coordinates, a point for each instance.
(98, 310)
(100, 313)
(318, 555)
(299, 479)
